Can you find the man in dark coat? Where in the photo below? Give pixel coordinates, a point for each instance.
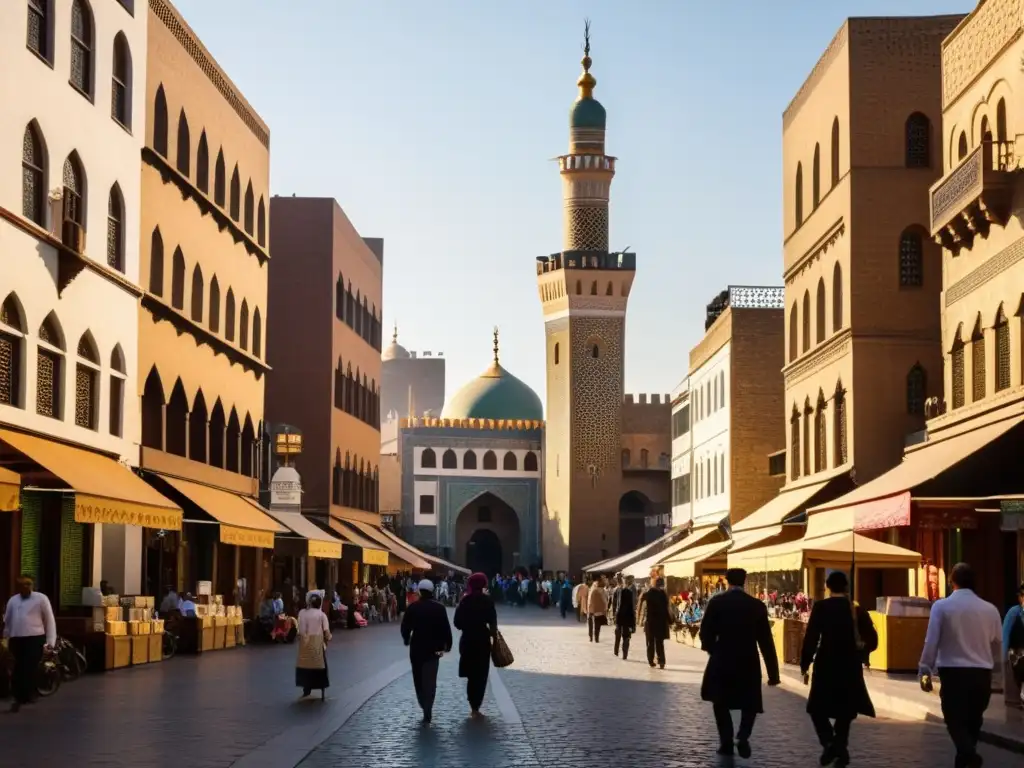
(734, 626)
(425, 629)
(624, 611)
(839, 648)
(657, 622)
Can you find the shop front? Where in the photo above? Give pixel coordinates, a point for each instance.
(362, 558)
(400, 557)
(10, 531)
(307, 555)
(682, 564)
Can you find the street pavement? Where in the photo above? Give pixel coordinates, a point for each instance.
(565, 703)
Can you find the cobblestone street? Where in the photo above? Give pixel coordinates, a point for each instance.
(565, 703)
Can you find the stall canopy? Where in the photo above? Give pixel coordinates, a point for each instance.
(319, 543)
(614, 564)
(400, 551)
(10, 490)
(835, 550)
(242, 522)
(105, 491)
(782, 506)
(695, 544)
(885, 501)
(438, 561)
(686, 565)
(372, 553)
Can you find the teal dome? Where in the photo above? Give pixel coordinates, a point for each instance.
(587, 113)
(495, 394)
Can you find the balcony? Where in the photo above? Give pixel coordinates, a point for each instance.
(972, 197)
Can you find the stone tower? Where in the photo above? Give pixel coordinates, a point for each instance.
(584, 290)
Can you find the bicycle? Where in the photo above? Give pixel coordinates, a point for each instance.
(170, 645)
(49, 674)
(71, 661)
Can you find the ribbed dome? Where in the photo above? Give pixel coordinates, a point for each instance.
(394, 350)
(587, 113)
(495, 394)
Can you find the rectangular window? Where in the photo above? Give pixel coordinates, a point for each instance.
(116, 399)
(777, 464)
(426, 505)
(681, 422)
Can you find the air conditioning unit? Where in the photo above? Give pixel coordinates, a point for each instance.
(73, 236)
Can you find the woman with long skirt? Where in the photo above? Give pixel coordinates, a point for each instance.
(478, 621)
(314, 633)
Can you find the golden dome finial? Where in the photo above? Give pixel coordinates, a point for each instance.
(586, 82)
(496, 345)
(394, 336)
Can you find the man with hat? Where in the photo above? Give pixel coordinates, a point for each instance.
(427, 632)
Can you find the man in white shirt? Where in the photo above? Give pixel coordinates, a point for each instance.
(964, 633)
(29, 628)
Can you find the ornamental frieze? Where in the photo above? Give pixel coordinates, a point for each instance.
(89, 511)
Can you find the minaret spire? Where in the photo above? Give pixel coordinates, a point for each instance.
(586, 82)
(394, 336)
(496, 345)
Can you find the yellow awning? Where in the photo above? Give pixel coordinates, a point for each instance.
(780, 507)
(837, 550)
(242, 522)
(696, 538)
(617, 563)
(10, 490)
(420, 553)
(686, 565)
(105, 491)
(319, 543)
(371, 554)
(393, 547)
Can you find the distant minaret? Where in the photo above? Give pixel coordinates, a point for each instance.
(584, 291)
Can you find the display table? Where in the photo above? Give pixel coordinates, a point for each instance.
(900, 640)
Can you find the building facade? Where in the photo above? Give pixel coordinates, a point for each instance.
(412, 383)
(69, 277)
(682, 458)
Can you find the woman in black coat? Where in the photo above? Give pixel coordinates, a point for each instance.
(478, 621)
(839, 648)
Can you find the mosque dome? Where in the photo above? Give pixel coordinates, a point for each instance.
(394, 350)
(587, 113)
(494, 394)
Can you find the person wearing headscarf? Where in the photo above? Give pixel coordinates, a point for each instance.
(314, 632)
(477, 620)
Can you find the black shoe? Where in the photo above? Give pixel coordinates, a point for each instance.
(651, 664)
(743, 748)
(724, 750)
(662, 666)
(427, 717)
(843, 760)
(827, 756)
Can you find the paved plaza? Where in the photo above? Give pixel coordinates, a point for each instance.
(565, 703)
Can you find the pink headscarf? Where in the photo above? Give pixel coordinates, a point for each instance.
(477, 583)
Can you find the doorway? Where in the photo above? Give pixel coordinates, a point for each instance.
(483, 552)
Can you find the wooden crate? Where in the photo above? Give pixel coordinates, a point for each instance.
(219, 637)
(118, 651)
(140, 649)
(207, 639)
(156, 647)
(239, 634)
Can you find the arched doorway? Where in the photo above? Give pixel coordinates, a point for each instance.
(633, 508)
(487, 535)
(483, 552)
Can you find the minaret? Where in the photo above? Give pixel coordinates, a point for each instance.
(584, 290)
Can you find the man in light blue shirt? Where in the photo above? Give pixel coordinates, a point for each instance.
(963, 642)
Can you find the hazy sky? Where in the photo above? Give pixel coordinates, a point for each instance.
(433, 124)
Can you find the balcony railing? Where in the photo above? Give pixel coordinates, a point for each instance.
(972, 197)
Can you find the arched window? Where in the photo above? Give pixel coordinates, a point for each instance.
(257, 333)
(490, 460)
(233, 447)
(593, 288)
(978, 362)
(236, 195)
(184, 160)
(916, 390)
(198, 448)
(509, 463)
(837, 298)
(806, 321)
(160, 122)
(261, 223)
(218, 179)
(835, 151)
(428, 459)
(74, 190)
(86, 375)
(121, 82)
(449, 460)
(12, 334)
(214, 305)
(820, 435)
(249, 203)
(957, 372)
(530, 462)
(579, 287)
(794, 444)
(115, 229)
(1001, 132)
(81, 47)
(816, 180)
(595, 351)
(469, 460)
(1001, 331)
(794, 345)
(153, 413)
(911, 259)
(556, 353)
(243, 325)
(839, 399)
(49, 368)
(156, 263)
(203, 165)
(961, 147)
(798, 195)
(39, 19)
(918, 141)
(808, 411)
(197, 294)
(33, 176)
(178, 279)
(1002, 153)
(644, 458)
(118, 376)
(626, 458)
(820, 312)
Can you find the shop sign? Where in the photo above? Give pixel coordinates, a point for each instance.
(287, 444)
(374, 556)
(328, 550)
(947, 520)
(285, 493)
(246, 537)
(89, 509)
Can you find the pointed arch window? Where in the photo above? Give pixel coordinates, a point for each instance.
(816, 179)
(38, 37)
(819, 325)
(203, 165)
(218, 179)
(837, 298)
(798, 195)
(86, 375)
(229, 316)
(183, 162)
(820, 436)
(961, 147)
(261, 223)
(449, 460)
(74, 190)
(115, 229)
(118, 375)
(839, 401)
(808, 412)
(236, 195)
(243, 325)
(806, 325)
(178, 279)
(81, 47)
(12, 336)
(197, 294)
(121, 82)
(911, 259)
(918, 141)
(215, 305)
(835, 151)
(916, 390)
(490, 461)
(978, 362)
(469, 460)
(509, 463)
(249, 203)
(793, 333)
(33, 176)
(160, 122)
(794, 445)
(428, 459)
(49, 369)
(1002, 338)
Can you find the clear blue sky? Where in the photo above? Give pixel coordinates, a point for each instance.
(432, 123)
